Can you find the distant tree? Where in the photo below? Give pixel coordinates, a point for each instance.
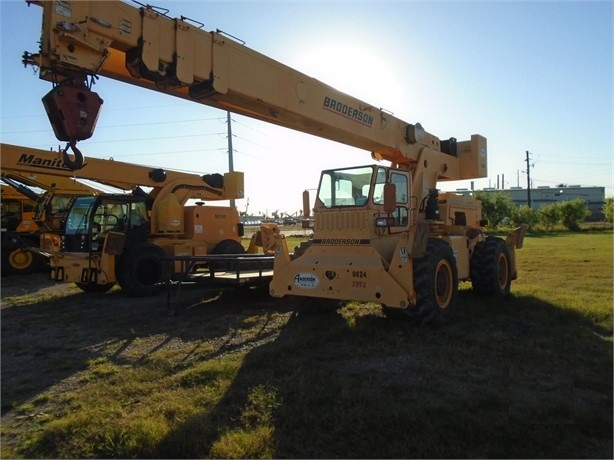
(523, 215)
(496, 206)
(573, 213)
(550, 215)
(608, 209)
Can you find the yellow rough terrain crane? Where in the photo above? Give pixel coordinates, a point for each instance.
(33, 218)
(124, 237)
(382, 233)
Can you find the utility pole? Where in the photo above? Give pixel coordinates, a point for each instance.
(518, 178)
(230, 159)
(528, 179)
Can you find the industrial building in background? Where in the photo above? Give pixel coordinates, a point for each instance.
(545, 195)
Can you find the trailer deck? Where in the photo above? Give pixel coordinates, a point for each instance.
(218, 271)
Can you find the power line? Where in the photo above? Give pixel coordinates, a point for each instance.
(254, 129)
(153, 138)
(107, 110)
(122, 125)
(219, 149)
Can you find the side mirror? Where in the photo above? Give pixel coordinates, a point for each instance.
(390, 197)
(306, 207)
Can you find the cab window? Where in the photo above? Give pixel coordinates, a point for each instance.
(401, 214)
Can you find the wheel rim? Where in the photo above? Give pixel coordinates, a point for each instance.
(444, 280)
(502, 271)
(20, 259)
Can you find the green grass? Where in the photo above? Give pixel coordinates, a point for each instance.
(577, 265)
(526, 377)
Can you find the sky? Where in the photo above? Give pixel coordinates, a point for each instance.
(529, 76)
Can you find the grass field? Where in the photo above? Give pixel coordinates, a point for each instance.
(238, 374)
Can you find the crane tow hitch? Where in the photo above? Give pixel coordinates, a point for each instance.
(72, 108)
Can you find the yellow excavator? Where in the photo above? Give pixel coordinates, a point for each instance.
(382, 232)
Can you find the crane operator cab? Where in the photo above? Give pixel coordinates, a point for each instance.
(91, 219)
(384, 191)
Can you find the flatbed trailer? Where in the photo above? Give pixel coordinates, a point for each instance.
(217, 271)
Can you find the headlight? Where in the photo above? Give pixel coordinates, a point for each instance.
(384, 222)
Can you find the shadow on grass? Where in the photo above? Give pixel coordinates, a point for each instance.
(511, 379)
(46, 342)
(519, 378)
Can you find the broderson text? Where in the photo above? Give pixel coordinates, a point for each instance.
(349, 112)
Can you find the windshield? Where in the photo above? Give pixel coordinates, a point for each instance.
(105, 214)
(78, 217)
(345, 187)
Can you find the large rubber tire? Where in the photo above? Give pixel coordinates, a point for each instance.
(22, 261)
(95, 288)
(491, 268)
(5, 268)
(226, 247)
(141, 269)
(436, 283)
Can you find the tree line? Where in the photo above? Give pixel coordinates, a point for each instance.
(501, 211)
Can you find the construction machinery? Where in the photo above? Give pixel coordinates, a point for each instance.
(54, 198)
(382, 232)
(33, 211)
(124, 237)
(17, 211)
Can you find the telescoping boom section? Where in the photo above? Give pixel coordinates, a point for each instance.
(382, 233)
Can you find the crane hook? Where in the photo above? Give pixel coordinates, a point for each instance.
(75, 164)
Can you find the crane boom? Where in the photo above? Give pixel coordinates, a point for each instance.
(144, 47)
(21, 162)
(64, 184)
